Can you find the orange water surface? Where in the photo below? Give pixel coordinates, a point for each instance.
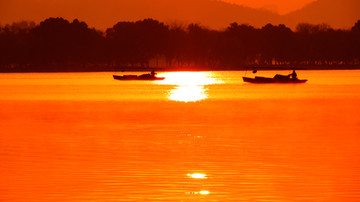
(195, 136)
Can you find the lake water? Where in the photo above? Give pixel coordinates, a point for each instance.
(196, 136)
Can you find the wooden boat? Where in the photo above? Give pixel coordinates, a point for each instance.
(144, 77)
(277, 79)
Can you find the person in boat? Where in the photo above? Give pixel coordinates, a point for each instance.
(293, 75)
(153, 74)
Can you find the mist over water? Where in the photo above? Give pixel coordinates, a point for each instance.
(195, 136)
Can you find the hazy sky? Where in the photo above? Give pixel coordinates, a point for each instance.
(279, 6)
(103, 14)
(17, 10)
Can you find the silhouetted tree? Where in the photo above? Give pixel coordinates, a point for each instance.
(175, 53)
(58, 42)
(59, 45)
(277, 45)
(137, 43)
(356, 27)
(355, 41)
(240, 45)
(14, 43)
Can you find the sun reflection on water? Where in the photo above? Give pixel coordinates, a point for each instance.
(189, 86)
(197, 176)
(188, 93)
(204, 192)
(198, 192)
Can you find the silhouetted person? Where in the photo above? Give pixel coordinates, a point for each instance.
(152, 74)
(293, 75)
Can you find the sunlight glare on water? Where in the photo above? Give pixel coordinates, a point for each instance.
(187, 93)
(86, 137)
(204, 192)
(197, 176)
(189, 78)
(188, 86)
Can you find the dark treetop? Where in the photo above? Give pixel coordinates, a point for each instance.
(59, 45)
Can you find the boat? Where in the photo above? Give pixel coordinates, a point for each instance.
(143, 77)
(277, 79)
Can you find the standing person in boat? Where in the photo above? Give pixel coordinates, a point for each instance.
(152, 74)
(293, 75)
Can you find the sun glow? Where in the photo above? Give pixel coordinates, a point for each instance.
(189, 86)
(188, 93)
(204, 192)
(189, 78)
(197, 176)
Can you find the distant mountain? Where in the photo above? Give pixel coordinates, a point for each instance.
(337, 13)
(105, 13)
(215, 14)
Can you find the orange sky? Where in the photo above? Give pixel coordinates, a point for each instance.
(103, 14)
(99, 13)
(279, 6)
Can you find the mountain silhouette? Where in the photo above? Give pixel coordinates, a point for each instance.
(215, 14)
(103, 14)
(337, 13)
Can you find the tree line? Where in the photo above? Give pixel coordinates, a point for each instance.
(59, 45)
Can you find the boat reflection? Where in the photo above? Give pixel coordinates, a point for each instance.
(189, 86)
